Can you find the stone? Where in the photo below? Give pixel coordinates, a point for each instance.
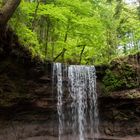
(108, 132)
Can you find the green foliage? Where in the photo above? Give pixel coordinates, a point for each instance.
(112, 81)
(121, 77)
(106, 29)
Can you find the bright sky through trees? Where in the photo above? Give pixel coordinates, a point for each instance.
(131, 1)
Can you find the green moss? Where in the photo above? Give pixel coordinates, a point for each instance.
(111, 81)
(123, 76)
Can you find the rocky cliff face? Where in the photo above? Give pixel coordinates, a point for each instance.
(119, 96)
(119, 117)
(22, 78)
(28, 107)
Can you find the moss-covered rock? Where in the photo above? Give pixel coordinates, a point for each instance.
(121, 75)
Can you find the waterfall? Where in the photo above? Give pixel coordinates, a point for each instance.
(57, 69)
(82, 84)
(82, 112)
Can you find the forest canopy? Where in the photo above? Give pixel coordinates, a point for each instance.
(78, 31)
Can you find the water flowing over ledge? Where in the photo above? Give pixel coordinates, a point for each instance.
(82, 116)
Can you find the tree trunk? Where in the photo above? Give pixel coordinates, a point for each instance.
(81, 54)
(7, 11)
(60, 54)
(35, 15)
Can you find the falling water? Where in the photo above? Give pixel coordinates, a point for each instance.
(57, 69)
(82, 82)
(83, 111)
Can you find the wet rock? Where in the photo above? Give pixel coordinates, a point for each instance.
(108, 132)
(45, 79)
(41, 103)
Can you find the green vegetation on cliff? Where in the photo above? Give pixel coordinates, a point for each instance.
(123, 74)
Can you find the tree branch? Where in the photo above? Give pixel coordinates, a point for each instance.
(60, 54)
(81, 54)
